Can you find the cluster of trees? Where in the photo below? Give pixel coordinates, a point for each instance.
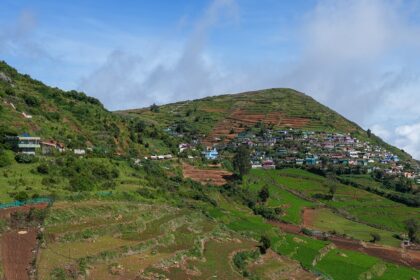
(83, 174)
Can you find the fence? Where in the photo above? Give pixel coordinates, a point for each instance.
(18, 203)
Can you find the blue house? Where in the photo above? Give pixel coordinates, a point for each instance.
(312, 160)
(211, 154)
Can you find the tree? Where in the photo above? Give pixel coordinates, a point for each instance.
(265, 244)
(31, 101)
(242, 161)
(264, 194)
(332, 185)
(154, 108)
(332, 189)
(413, 229)
(375, 237)
(369, 133)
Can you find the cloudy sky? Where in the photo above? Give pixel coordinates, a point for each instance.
(360, 58)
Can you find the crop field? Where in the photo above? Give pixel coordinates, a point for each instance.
(344, 264)
(110, 240)
(292, 205)
(276, 267)
(361, 205)
(217, 177)
(325, 220)
(307, 251)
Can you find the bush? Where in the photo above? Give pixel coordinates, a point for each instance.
(375, 237)
(82, 183)
(266, 212)
(25, 158)
(43, 168)
(5, 159)
(31, 101)
(21, 196)
(265, 244)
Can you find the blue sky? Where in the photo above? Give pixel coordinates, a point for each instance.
(359, 57)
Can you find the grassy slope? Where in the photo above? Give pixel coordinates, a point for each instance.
(68, 117)
(359, 204)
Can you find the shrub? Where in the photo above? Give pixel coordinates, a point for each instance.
(31, 101)
(375, 237)
(82, 183)
(5, 159)
(25, 158)
(43, 168)
(21, 196)
(265, 244)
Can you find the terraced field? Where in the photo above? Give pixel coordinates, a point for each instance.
(357, 204)
(105, 240)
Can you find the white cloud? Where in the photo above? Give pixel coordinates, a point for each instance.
(360, 59)
(408, 138)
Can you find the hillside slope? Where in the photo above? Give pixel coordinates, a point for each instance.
(70, 117)
(227, 115)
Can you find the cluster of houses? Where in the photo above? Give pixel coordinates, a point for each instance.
(315, 148)
(31, 145)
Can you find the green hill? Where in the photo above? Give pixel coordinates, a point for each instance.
(115, 215)
(284, 108)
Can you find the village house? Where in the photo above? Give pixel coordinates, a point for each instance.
(49, 147)
(211, 154)
(79, 152)
(25, 143)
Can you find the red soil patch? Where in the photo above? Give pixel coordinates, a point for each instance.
(5, 213)
(216, 177)
(405, 257)
(17, 250)
(17, 253)
(308, 217)
(238, 119)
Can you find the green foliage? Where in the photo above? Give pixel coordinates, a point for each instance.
(43, 168)
(413, 229)
(264, 194)
(25, 158)
(82, 183)
(5, 158)
(21, 196)
(265, 244)
(375, 237)
(242, 161)
(154, 108)
(31, 101)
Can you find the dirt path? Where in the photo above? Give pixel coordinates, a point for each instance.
(17, 253)
(399, 256)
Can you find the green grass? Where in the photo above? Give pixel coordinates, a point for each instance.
(362, 205)
(292, 205)
(326, 220)
(344, 264)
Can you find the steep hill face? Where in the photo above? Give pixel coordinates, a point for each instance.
(70, 117)
(224, 116)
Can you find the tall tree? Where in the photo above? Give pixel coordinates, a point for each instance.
(242, 161)
(264, 194)
(369, 132)
(413, 229)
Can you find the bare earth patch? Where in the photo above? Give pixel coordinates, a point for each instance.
(216, 177)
